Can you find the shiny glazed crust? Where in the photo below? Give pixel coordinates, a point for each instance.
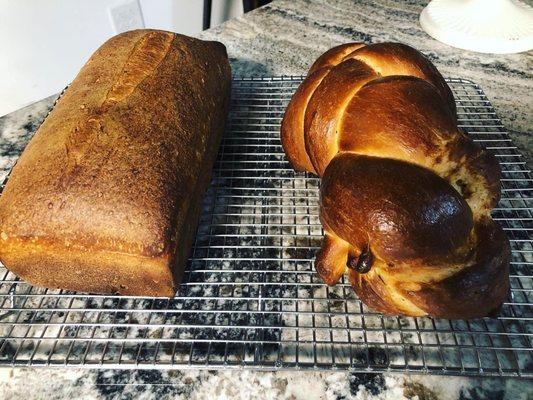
(107, 195)
(405, 197)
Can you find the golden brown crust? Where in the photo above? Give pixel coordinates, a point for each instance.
(332, 81)
(334, 56)
(476, 290)
(399, 59)
(88, 270)
(400, 109)
(107, 178)
(405, 111)
(406, 197)
(403, 211)
(331, 259)
(326, 107)
(475, 287)
(292, 127)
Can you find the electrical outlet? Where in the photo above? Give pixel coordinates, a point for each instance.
(126, 16)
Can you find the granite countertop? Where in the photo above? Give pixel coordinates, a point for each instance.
(284, 38)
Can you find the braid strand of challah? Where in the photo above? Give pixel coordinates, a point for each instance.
(405, 196)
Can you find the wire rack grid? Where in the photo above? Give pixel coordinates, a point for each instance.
(250, 297)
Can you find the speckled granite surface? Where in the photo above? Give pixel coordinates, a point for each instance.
(284, 38)
(160, 385)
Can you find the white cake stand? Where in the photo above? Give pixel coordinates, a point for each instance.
(486, 26)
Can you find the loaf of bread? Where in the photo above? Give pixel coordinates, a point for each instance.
(107, 195)
(405, 197)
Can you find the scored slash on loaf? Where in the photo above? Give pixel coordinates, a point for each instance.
(405, 196)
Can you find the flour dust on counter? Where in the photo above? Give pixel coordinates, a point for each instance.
(156, 384)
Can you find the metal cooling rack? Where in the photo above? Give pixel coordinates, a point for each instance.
(250, 297)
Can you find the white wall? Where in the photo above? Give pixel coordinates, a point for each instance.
(182, 16)
(43, 44)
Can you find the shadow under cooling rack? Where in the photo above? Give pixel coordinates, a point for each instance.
(250, 296)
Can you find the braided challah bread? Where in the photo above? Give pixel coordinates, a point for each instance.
(405, 197)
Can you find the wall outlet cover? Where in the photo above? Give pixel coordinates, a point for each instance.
(126, 16)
